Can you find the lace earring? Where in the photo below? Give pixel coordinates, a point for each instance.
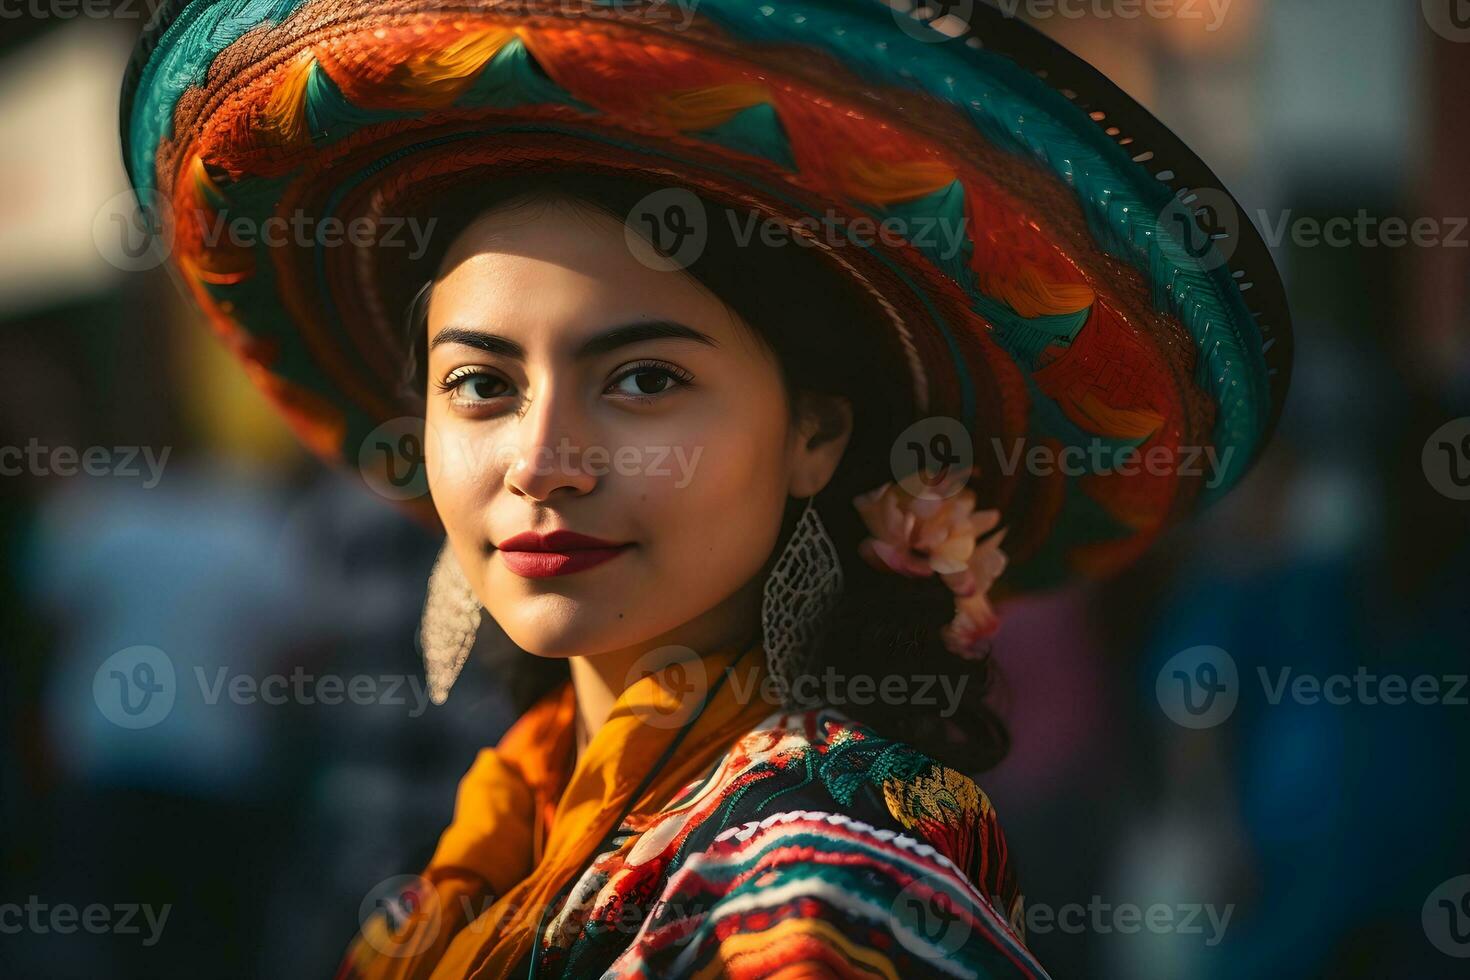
(448, 625)
(800, 591)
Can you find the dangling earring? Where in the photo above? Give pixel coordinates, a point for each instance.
(447, 628)
(802, 588)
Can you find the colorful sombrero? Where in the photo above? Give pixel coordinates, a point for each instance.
(1110, 298)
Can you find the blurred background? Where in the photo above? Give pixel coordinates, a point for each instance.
(1281, 837)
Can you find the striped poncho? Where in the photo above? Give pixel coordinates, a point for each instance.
(770, 842)
(815, 847)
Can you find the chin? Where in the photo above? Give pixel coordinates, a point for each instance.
(564, 633)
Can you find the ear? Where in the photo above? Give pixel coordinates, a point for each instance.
(823, 429)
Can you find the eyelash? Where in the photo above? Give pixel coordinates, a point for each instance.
(680, 377)
(456, 378)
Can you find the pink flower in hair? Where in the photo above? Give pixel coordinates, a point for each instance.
(922, 536)
(975, 620)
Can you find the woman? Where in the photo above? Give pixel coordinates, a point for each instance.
(747, 352)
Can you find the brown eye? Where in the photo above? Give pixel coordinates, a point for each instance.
(651, 382)
(648, 380)
(473, 385)
(482, 386)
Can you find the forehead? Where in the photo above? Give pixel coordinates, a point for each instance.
(557, 241)
(566, 266)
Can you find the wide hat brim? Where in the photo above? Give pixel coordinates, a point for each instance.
(1113, 335)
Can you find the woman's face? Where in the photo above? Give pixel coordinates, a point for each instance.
(573, 388)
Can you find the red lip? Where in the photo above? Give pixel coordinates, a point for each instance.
(533, 555)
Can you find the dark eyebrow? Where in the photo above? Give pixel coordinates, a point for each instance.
(638, 331)
(488, 342)
(608, 340)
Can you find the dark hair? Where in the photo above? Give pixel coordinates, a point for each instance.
(829, 338)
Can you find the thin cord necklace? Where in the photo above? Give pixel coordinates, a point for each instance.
(617, 824)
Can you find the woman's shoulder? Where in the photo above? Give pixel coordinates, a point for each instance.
(858, 766)
(819, 841)
(823, 760)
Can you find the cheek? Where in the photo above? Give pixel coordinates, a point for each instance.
(463, 465)
(723, 500)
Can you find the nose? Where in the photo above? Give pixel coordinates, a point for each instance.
(549, 455)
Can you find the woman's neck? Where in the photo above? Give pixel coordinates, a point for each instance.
(600, 679)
